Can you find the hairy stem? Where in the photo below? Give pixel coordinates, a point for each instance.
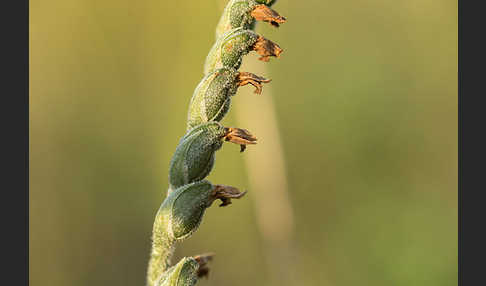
(162, 249)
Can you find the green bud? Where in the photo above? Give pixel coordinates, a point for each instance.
(183, 273)
(209, 101)
(186, 272)
(194, 156)
(193, 159)
(212, 97)
(237, 13)
(234, 44)
(186, 207)
(187, 204)
(243, 13)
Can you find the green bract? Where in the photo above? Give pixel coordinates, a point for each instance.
(185, 207)
(243, 13)
(183, 273)
(211, 98)
(229, 49)
(194, 156)
(236, 14)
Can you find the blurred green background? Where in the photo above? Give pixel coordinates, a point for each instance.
(365, 98)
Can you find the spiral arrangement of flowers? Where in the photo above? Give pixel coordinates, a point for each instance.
(189, 194)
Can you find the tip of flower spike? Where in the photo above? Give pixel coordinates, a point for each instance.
(245, 78)
(264, 13)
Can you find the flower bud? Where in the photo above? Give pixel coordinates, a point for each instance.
(193, 159)
(234, 44)
(181, 212)
(183, 273)
(186, 271)
(194, 156)
(212, 97)
(243, 13)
